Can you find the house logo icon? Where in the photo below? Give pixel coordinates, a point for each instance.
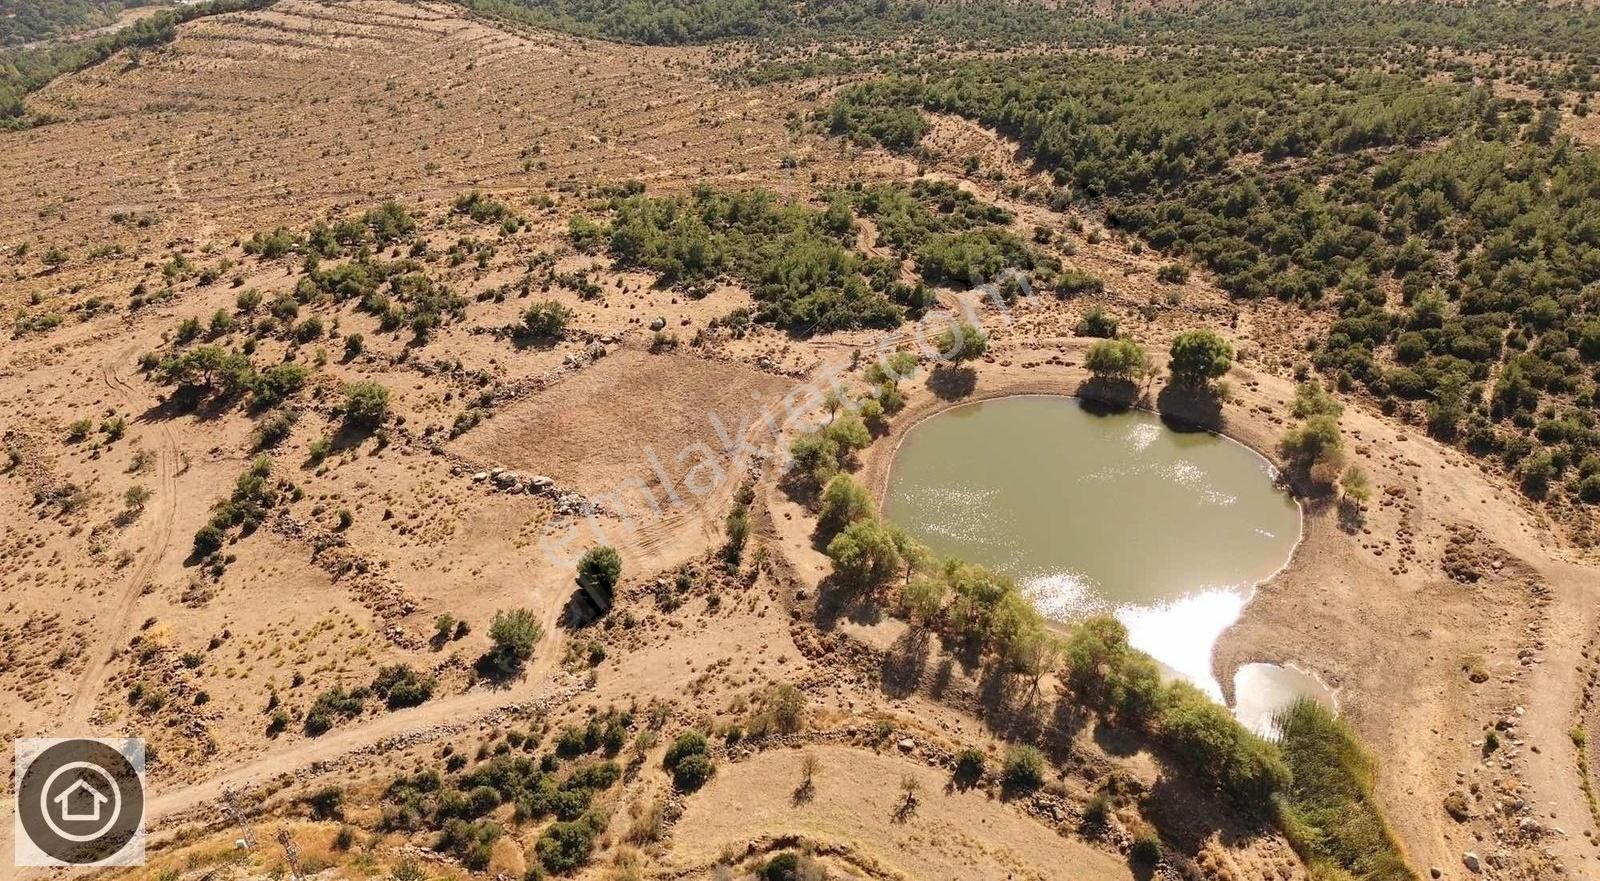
(80, 802)
(74, 802)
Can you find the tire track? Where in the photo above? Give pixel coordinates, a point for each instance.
(90, 681)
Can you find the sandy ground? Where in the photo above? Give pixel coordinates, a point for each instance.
(950, 835)
(311, 110)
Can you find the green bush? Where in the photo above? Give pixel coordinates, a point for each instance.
(599, 569)
(1146, 849)
(366, 404)
(514, 633)
(566, 846)
(866, 553)
(1116, 359)
(693, 772)
(546, 319)
(1024, 768)
(401, 686)
(1097, 322)
(326, 803)
(689, 743)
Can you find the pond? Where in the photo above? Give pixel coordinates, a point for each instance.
(1096, 512)
(1261, 690)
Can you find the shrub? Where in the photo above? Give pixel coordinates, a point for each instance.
(566, 846)
(599, 569)
(1116, 359)
(865, 553)
(208, 540)
(274, 429)
(1097, 322)
(1331, 814)
(1024, 768)
(278, 383)
(788, 706)
(687, 744)
(693, 772)
(782, 867)
(514, 633)
(401, 686)
(366, 404)
(332, 704)
(962, 342)
(1317, 440)
(546, 320)
(1075, 281)
(1311, 399)
(970, 766)
(1173, 273)
(326, 803)
(319, 450)
(1207, 737)
(1146, 849)
(308, 330)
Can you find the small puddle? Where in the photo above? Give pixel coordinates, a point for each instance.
(1260, 691)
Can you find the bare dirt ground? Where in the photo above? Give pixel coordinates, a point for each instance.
(1450, 608)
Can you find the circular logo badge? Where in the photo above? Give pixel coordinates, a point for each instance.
(80, 801)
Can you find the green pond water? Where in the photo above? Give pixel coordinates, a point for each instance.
(1100, 513)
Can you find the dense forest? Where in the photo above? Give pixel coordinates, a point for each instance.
(1370, 23)
(1455, 234)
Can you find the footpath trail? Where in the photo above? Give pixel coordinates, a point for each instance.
(164, 512)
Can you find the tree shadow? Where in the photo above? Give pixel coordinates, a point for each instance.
(1188, 812)
(836, 602)
(1352, 515)
(1104, 396)
(952, 383)
(1189, 408)
(804, 793)
(1066, 721)
(580, 611)
(964, 778)
(905, 663)
(906, 809)
(1012, 708)
(493, 676)
(191, 401)
(523, 341)
(348, 437)
(1118, 741)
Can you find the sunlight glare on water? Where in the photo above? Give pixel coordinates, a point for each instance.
(1100, 513)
